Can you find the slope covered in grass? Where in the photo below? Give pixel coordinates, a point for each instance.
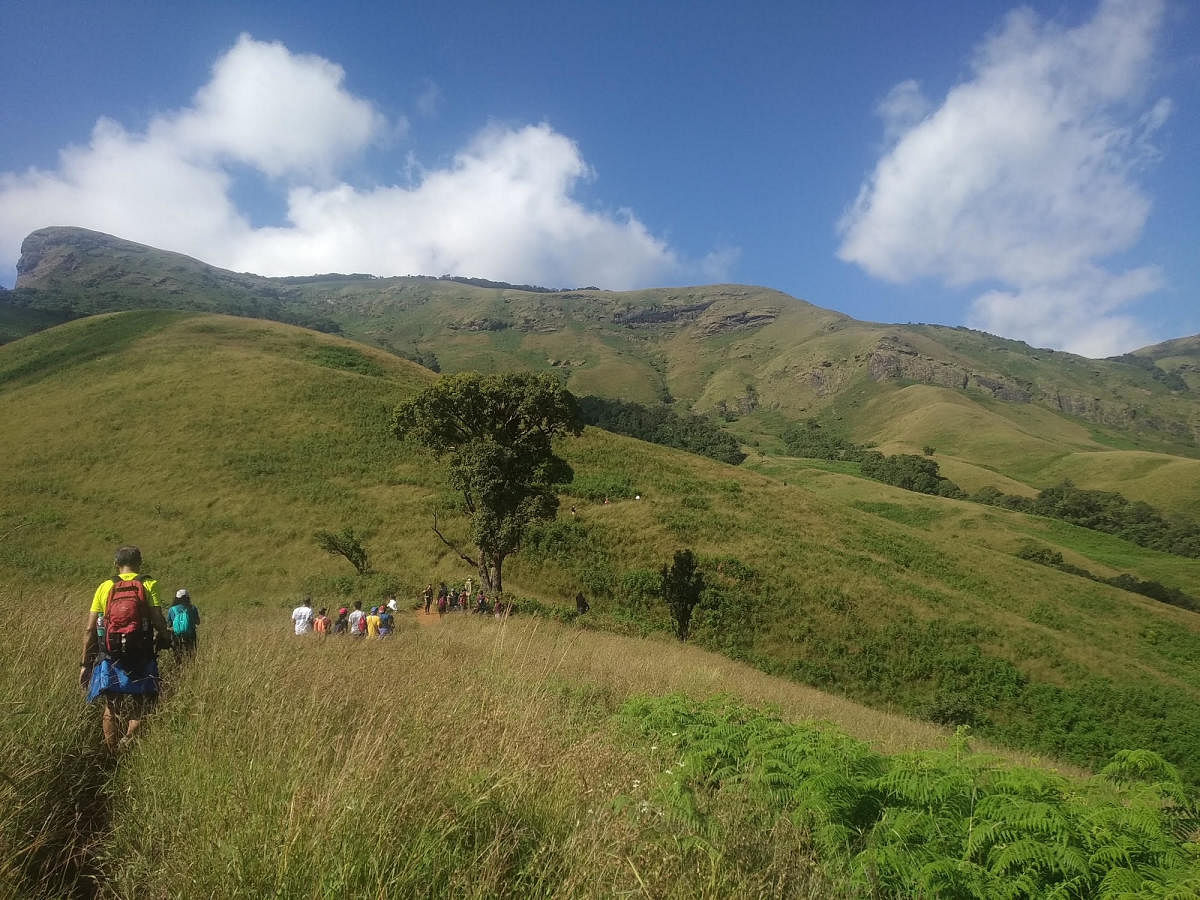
(491, 754)
(222, 445)
(742, 352)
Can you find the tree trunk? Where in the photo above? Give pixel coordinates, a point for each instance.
(499, 579)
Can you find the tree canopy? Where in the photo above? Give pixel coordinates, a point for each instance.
(498, 432)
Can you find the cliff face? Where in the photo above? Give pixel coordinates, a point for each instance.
(895, 360)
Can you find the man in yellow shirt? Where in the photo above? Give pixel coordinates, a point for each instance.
(119, 647)
(373, 622)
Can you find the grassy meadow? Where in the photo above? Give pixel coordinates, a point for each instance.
(470, 759)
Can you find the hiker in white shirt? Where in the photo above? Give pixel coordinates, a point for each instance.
(358, 621)
(302, 615)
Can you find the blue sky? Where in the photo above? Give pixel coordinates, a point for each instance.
(1025, 170)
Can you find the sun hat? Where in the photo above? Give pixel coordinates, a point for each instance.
(343, 611)
(181, 593)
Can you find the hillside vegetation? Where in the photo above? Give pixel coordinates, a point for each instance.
(495, 756)
(750, 356)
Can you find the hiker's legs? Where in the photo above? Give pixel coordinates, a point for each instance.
(127, 710)
(108, 723)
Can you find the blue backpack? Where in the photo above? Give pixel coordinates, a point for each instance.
(183, 623)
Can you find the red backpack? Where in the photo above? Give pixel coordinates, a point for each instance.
(127, 633)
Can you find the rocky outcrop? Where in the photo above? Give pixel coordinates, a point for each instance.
(894, 360)
(657, 315)
(736, 320)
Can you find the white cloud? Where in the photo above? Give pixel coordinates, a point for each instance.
(277, 111)
(503, 208)
(1024, 175)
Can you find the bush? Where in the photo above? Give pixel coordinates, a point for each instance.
(1106, 511)
(809, 439)
(913, 473)
(1152, 589)
(662, 425)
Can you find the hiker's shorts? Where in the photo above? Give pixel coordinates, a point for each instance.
(109, 677)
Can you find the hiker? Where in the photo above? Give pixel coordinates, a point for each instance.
(443, 602)
(373, 622)
(342, 625)
(302, 616)
(182, 619)
(392, 604)
(387, 622)
(357, 621)
(481, 604)
(321, 623)
(119, 647)
(581, 604)
(428, 597)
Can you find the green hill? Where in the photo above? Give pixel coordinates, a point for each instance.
(221, 444)
(257, 434)
(756, 358)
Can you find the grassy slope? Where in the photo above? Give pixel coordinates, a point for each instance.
(251, 435)
(804, 361)
(252, 442)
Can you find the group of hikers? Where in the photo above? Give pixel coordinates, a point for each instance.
(125, 631)
(379, 622)
(451, 600)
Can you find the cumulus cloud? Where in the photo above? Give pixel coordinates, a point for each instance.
(503, 208)
(1024, 176)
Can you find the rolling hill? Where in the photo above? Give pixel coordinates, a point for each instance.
(488, 753)
(998, 411)
(257, 434)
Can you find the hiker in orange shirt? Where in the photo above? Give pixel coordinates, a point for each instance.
(321, 623)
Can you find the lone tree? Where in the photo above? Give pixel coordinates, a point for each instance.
(497, 432)
(682, 584)
(345, 543)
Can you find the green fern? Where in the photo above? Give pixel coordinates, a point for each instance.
(933, 824)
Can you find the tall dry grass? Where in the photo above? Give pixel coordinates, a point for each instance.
(51, 767)
(467, 759)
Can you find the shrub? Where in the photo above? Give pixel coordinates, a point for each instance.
(345, 543)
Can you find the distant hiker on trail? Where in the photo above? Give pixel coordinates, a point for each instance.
(581, 604)
(373, 622)
(391, 603)
(481, 604)
(302, 616)
(182, 619)
(119, 647)
(387, 622)
(358, 621)
(428, 597)
(321, 623)
(443, 604)
(342, 625)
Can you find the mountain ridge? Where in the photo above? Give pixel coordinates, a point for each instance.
(755, 357)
